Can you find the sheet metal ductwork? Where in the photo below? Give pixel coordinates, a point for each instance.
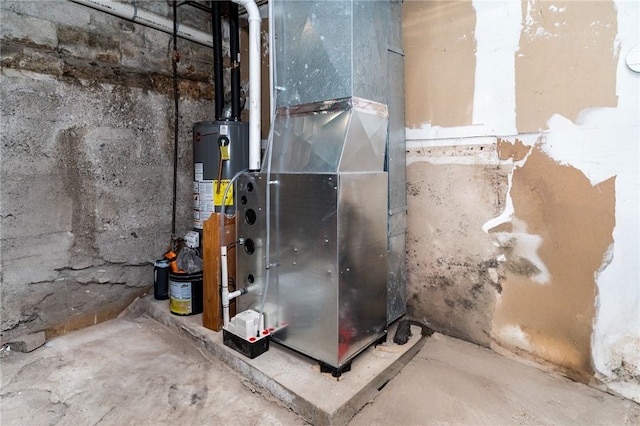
(323, 231)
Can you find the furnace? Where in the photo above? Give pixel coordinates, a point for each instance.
(321, 225)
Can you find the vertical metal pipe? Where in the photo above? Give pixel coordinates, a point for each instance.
(174, 63)
(234, 41)
(218, 82)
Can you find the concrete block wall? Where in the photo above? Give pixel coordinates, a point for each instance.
(87, 155)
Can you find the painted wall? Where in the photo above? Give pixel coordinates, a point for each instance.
(87, 158)
(523, 185)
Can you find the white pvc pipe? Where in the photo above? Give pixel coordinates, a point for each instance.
(235, 294)
(225, 285)
(132, 13)
(226, 296)
(254, 81)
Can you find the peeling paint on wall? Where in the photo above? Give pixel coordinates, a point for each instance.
(516, 151)
(590, 116)
(573, 223)
(440, 52)
(566, 62)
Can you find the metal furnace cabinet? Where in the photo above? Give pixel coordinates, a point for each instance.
(327, 290)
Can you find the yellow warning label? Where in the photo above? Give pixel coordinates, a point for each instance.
(224, 152)
(180, 307)
(218, 193)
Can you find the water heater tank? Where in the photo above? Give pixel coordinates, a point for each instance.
(220, 150)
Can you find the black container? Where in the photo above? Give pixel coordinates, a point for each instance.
(161, 279)
(250, 349)
(185, 293)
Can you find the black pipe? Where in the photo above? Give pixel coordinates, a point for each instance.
(174, 61)
(234, 48)
(218, 82)
(196, 5)
(403, 332)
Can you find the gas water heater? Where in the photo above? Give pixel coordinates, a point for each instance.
(220, 147)
(220, 150)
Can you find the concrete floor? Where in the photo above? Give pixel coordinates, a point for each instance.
(455, 382)
(292, 378)
(124, 372)
(137, 371)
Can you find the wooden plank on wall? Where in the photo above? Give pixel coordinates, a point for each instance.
(212, 309)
